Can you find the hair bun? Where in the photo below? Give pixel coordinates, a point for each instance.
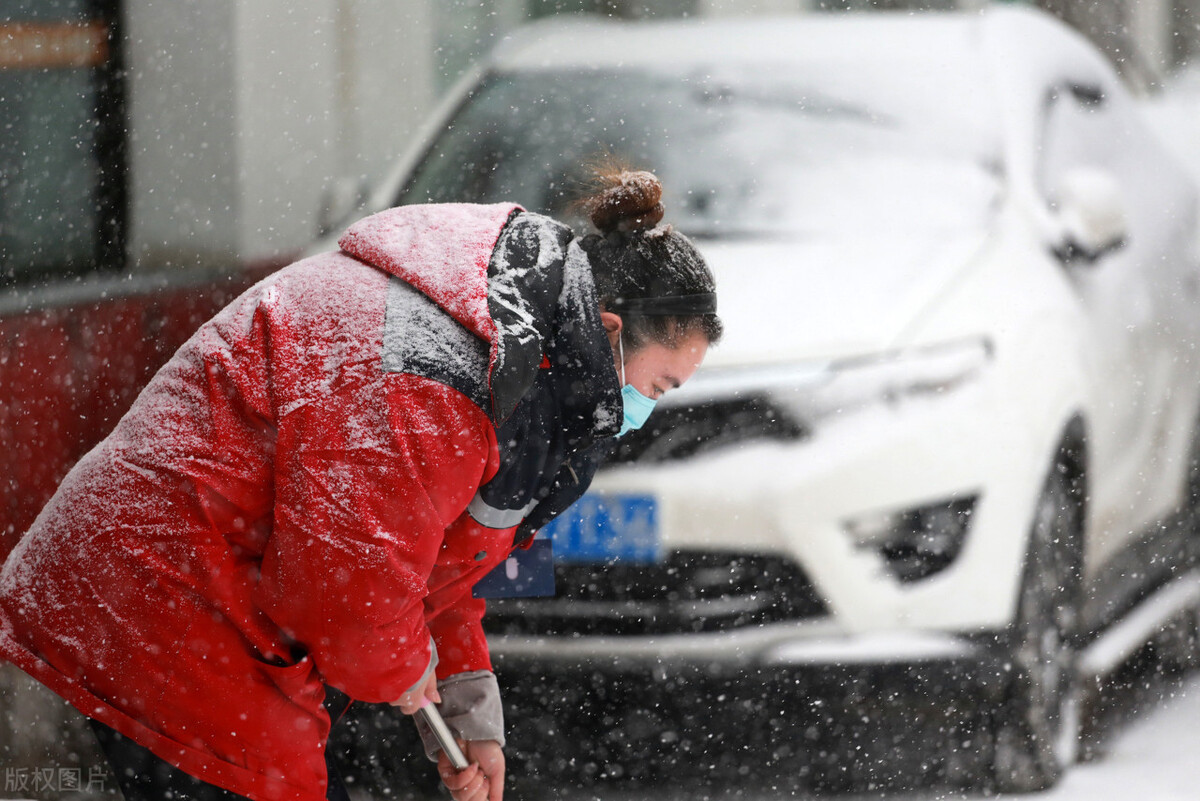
(625, 200)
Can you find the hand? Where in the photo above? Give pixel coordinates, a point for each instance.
(419, 696)
(483, 779)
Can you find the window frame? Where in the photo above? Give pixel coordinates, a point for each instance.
(109, 154)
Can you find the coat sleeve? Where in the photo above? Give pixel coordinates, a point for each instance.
(368, 478)
(455, 617)
(458, 632)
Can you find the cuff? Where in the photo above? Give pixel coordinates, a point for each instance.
(471, 708)
(433, 663)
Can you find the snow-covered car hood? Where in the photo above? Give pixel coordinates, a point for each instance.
(831, 296)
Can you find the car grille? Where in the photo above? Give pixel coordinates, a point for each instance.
(684, 431)
(689, 592)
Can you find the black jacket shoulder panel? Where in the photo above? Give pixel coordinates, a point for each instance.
(421, 338)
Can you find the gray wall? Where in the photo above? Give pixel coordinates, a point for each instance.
(242, 114)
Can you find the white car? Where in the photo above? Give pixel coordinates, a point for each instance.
(955, 412)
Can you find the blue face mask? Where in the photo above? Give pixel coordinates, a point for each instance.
(637, 406)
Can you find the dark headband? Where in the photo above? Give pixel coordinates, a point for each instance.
(668, 305)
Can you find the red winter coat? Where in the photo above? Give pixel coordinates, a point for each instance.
(276, 511)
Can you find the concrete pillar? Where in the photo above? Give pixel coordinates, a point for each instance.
(181, 100)
(244, 113)
(1150, 24)
(286, 121)
(386, 81)
(732, 8)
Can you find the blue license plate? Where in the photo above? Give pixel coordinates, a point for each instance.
(603, 527)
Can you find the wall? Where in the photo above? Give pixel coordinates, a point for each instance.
(244, 113)
(718, 8)
(183, 166)
(286, 120)
(388, 81)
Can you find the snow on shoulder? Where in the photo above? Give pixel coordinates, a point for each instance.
(441, 249)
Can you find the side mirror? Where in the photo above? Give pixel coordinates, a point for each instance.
(338, 201)
(1092, 215)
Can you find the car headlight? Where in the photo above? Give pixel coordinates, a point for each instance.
(890, 379)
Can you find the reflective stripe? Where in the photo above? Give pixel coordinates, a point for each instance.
(490, 516)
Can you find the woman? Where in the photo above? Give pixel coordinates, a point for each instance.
(295, 509)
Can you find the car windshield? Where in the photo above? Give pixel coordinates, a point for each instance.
(741, 151)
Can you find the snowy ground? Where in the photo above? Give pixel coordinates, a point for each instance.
(1154, 757)
(1151, 753)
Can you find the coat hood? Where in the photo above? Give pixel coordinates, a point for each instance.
(529, 295)
(443, 250)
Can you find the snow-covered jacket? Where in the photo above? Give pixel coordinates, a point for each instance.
(307, 491)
